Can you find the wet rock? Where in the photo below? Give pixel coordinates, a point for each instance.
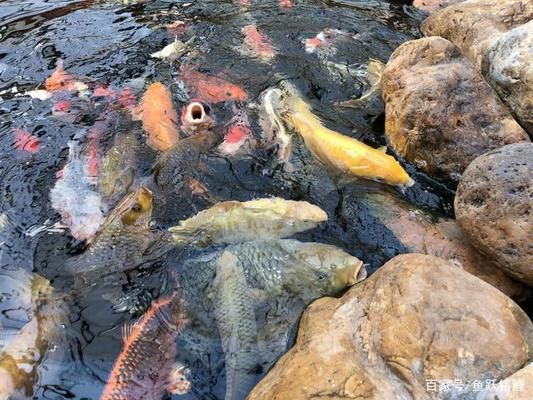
(432, 6)
(475, 25)
(422, 233)
(509, 69)
(417, 320)
(493, 204)
(518, 386)
(440, 113)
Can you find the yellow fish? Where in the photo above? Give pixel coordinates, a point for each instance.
(339, 151)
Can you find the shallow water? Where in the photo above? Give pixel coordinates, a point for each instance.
(109, 42)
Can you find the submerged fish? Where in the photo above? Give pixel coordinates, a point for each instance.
(339, 151)
(159, 117)
(272, 125)
(145, 368)
(257, 44)
(118, 169)
(173, 167)
(211, 88)
(124, 241)
(195, 118)
(371, 100)
(260, 272)
(25, 141)
(238, 137)
(235, 319)
(173, 51)
(324, 39)
(234, 221)
(62, 80)
(75, 195)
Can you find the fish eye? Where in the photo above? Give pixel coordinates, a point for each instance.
(136, 208)
(322, 276)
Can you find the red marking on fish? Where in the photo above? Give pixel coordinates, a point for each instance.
(212, 89)
(126, 98)
(176, 29)
(258, 43)
(101, 91)
(285, 3)
(245, 3)
(238, 133)
(62, 106)
(62, 80)
(25, 141)
(144, 367)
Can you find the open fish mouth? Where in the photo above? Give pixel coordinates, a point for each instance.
(195, 113)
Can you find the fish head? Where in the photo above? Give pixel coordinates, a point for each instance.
(135, 209)
(304, 211)
(196, 117)
(326, 270)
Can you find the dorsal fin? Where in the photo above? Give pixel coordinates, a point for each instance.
(127, 331)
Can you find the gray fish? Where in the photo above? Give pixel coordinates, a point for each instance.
(124, 240)
(371, 100)
(252, 274)
(235, 318)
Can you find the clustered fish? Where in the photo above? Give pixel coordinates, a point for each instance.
(252, 262)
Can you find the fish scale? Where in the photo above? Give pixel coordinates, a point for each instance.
(142, 370)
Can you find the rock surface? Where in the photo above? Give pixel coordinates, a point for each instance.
(440, 114)
(434, 5)
(421, 233)
(518, 386)
(508, 66)
(493, 205)
(416, 320)
(475, 25)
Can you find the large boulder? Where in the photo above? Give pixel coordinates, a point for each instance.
(417, 322)
(508, 66)
(475, 25)
(432, 6)
(440, 114)
(494, 206)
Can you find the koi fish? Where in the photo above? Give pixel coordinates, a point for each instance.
(159, 117)
(25, 141)
(339, 151)
(195, 118)
(237, 135)
(62, 80)
(212, 89)
(257, 43)
(173, 51)
(285, 3)
(176, 28)
(323, 39)
(144, 369)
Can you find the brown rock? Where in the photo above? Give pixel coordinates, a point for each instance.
(508, 66)
(434, 5)
(475, 25)
(442, 237)
(493, 205)
(440, 113)
(416, 320)
(518, 386)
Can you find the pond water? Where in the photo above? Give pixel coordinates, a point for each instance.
(109, 43)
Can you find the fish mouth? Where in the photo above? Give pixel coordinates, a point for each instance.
(195, 113)
(359, 274)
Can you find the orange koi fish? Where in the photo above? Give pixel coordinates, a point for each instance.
(257, 43)
(159, 117)
(25, 141)
(211, 89)
(145, 367)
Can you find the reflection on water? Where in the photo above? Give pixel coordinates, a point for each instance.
(108, 44)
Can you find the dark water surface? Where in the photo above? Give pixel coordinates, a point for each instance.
(110, 42)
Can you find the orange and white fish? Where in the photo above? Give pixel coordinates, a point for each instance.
(62, 80)
(145, 368)
(324, 39)
(159, 117)
(285, 3)
(211, 89)
(257, 43)
(238, 134)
